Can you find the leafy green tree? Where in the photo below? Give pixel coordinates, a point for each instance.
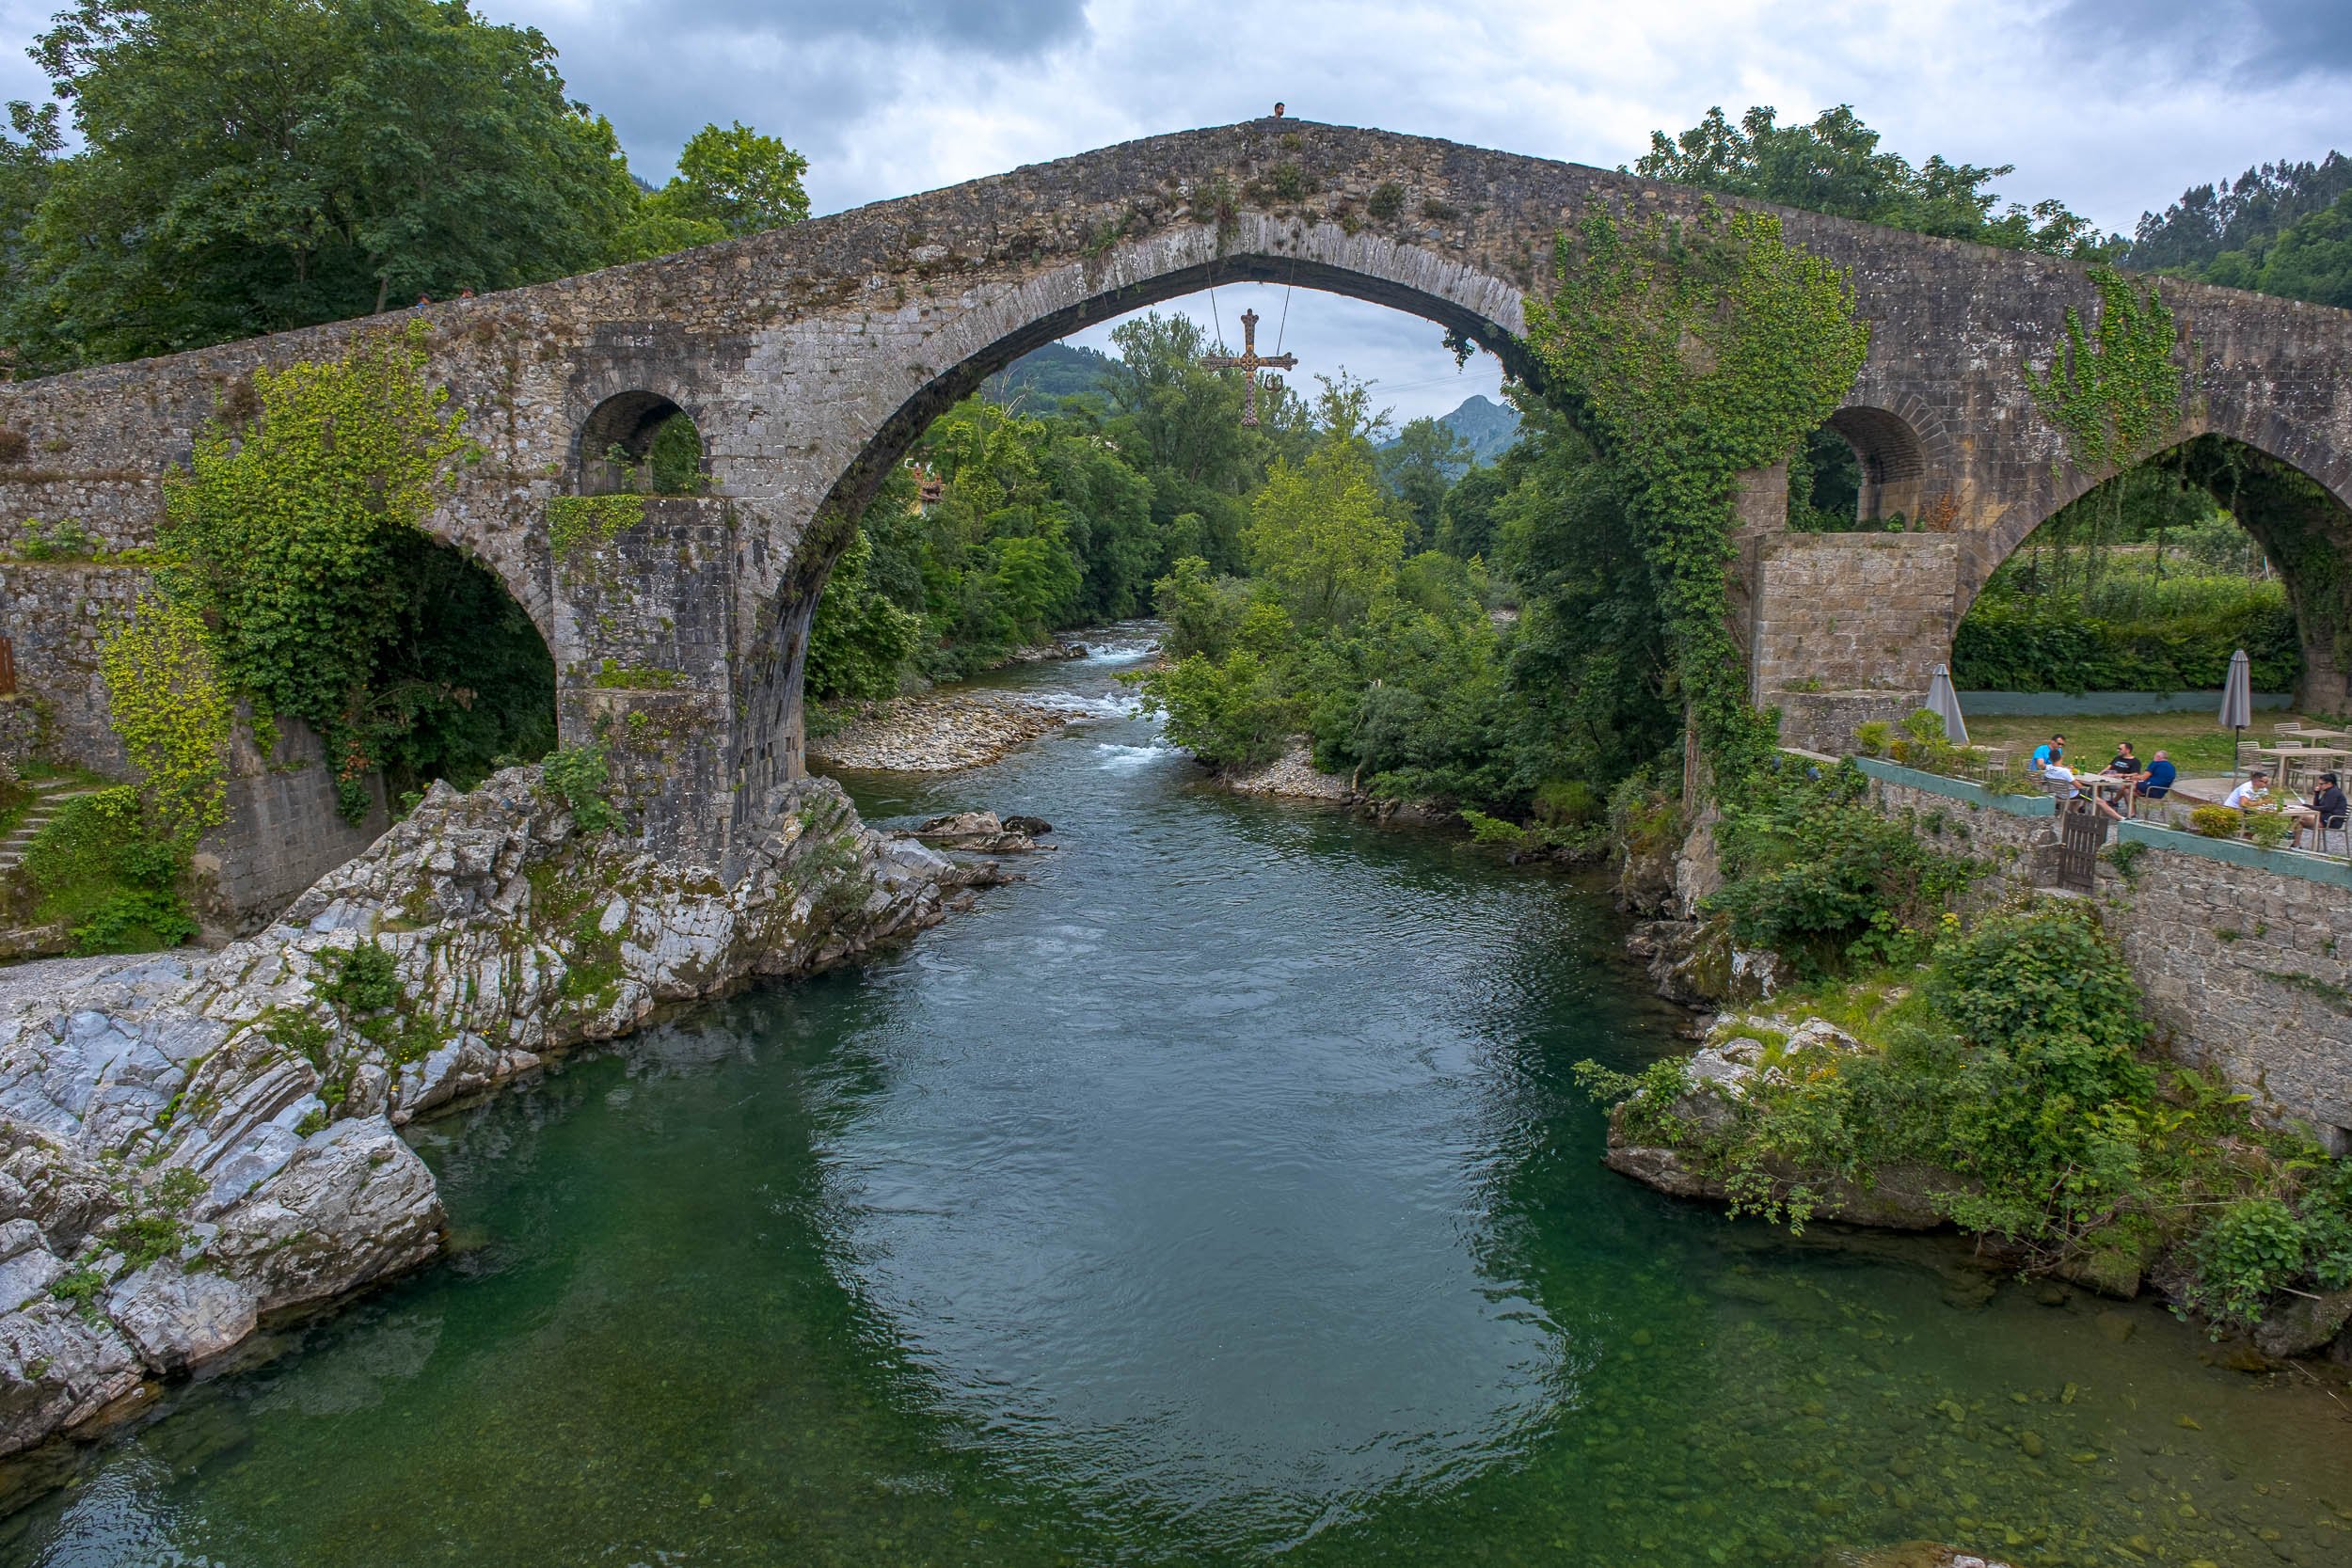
(2310, 258)
(1835, 165)
(1466, 517)
(861, 639)
(1419, 468)
(730, 183)
(2242, 215)
(1180, 426)
(251, 167)
(1322, 537)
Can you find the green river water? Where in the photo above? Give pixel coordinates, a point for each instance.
(1218, 1196)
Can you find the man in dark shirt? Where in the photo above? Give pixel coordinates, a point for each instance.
(2327, 812)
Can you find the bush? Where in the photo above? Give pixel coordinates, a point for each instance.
(2134, 635)
(1229, 715)
(2268, 829)
(580, 775)
(361, 981)
(1813, 872)
(102, 869)
(2217, 821)
(1873, 737)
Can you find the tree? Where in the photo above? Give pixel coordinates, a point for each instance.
(1834, 165)
(2240, 216)
(260, 165)
(1419, 468)
(729, 183)
(1321, 535)
(2310, 258)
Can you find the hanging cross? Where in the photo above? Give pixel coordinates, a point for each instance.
(1249, 362)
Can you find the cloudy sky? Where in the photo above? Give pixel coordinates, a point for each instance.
(2112, 105)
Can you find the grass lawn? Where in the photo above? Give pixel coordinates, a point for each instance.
(2197, 744)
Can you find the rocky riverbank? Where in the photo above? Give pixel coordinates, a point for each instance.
(1679, 1143)
(190, 1143)
(939, 732)
(1292, 776)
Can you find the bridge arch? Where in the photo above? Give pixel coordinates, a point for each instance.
(616, 442)
(2302, 522)
(1895, 457)
(988, 330)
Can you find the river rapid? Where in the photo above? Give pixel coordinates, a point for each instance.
(1219, 1194)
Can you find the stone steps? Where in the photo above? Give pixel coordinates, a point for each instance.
(50, 800)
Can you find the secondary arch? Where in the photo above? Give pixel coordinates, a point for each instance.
(2301, 525)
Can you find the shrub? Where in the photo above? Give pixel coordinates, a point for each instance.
(2268, 829)
(2217, 821)
(1813, 872)
(1872, 737)
(580, 775)
(362, 980)
(1229, 715)
(102, 871)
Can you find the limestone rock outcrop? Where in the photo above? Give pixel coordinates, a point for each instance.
(189, 1143)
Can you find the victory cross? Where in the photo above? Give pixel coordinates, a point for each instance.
(1250, 364)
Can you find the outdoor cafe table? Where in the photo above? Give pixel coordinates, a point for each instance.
(2112, 787)
(2315, 758)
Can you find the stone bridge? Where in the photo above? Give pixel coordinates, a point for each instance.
(811, 356)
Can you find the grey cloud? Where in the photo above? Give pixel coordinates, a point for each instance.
(2253, 41)
(1010, 29)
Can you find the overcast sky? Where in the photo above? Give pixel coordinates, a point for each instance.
(2112, 105)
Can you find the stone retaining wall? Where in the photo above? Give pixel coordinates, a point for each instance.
(284, 830)
(56, 613)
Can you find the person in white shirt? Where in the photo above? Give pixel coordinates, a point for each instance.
(2253, 795)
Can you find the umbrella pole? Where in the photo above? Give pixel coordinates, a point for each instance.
(2238, 734)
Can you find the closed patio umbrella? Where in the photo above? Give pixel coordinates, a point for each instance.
(2238, 703)
(1945, 703)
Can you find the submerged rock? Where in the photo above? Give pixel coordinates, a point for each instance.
(2304, 1324)
(980, 832)
(190, 1143)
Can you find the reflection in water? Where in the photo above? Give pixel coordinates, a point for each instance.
(1217, 1195)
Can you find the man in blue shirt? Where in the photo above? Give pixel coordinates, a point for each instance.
(2156, 783)
(2053, 750)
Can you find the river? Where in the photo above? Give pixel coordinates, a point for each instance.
(1219, 1194)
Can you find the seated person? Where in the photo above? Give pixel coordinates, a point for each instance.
(2253, 795)
(2060, 780)
(2053, 749)
(2156, 783)
(2325, 811)
(2124, 761)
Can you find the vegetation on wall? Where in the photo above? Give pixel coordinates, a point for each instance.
(165, 698)
(298, 539)
(2114, 393)
(1693, 354)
